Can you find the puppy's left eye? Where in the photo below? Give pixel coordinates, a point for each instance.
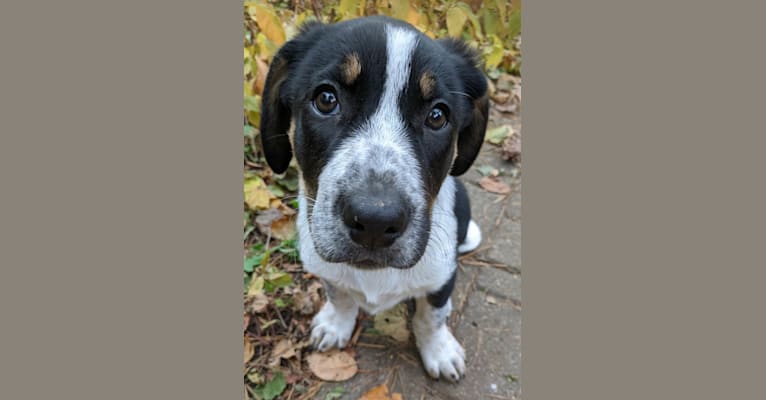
(437, 117)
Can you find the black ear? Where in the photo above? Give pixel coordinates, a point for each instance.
(275, 102)
(471, 135)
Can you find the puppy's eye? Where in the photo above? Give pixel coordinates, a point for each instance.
(437, 117)
(326, 102)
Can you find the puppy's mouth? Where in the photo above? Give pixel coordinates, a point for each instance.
(340, 248)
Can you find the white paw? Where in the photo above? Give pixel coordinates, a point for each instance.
(332, 328)
(442, 355)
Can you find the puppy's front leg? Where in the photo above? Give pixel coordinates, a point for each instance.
(441, 353)
(333, 325)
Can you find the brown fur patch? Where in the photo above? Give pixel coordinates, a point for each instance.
(427, 84)
(351, 68)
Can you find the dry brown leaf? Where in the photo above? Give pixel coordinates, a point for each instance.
(273, 222)
(246, 321)
(494, 185)
(249, 349)
(260, 302)
(511, 150)
(285, 348)
(334, 365)
(291, 267)
(380, 392)
(260, 77)
(283, 228)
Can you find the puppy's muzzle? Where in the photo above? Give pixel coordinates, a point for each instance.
(375, 216)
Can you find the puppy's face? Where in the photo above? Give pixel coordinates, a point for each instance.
(381, 115)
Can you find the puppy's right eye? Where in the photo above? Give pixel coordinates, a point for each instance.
(326, 102)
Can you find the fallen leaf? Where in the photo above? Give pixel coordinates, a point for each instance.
(501, 97)
(498, 134)
(487, 170)
(275, 223)
(260, 302)
(260, 78)
(491, 299)
(257, 195)
(291, 267)
(511, 150)
(393, 323)
(249, 349)
(272, 388)
(494, 185)
(335, 393)
(334, 365)
(283, 349)
(380, 392)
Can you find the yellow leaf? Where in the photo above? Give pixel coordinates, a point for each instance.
(268, 22)
(256, 286)
(346, 7)
(257, 195)
(399, 8)
(494, 55)
(413, 16)
(266, 48)
(456, 18)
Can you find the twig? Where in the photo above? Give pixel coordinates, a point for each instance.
(371, 345)
(279, 314)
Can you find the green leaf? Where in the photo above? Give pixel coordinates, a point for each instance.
(277, 191)
(514, 24)
(251, 262)
(290, 184)
(497, 135)
(276, 280)
(272, 388)
(280, 303)
(335, 393)
(485, 170)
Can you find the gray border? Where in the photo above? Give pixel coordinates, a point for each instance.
(643, 200)
(121, 172)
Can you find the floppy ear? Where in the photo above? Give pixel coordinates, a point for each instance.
(471, 135)
(275, 103)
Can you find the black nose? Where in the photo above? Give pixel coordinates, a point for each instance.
(375, 220)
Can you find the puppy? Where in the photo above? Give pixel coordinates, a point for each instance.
(380, 118)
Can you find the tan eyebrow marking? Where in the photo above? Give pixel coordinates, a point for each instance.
(427, 83)
(350, 68)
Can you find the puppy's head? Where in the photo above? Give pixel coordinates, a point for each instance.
(377, 115)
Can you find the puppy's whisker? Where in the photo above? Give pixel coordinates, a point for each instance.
(460, 93)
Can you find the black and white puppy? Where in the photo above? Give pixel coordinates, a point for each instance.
(379, 116)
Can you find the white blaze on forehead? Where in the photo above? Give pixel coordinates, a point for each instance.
(387, 123)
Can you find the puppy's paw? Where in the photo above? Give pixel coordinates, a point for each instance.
(332, 328)
(442, 355)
